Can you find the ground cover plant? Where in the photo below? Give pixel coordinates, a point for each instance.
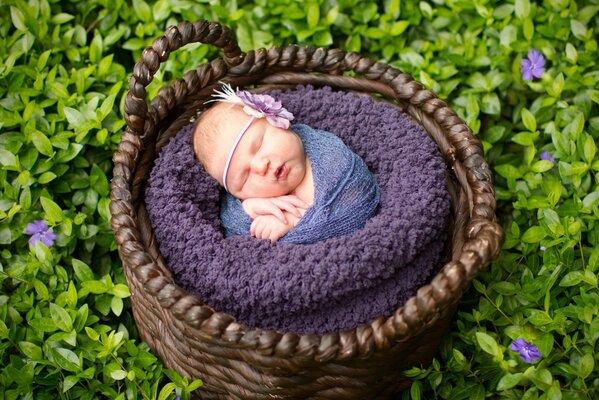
(522, 74)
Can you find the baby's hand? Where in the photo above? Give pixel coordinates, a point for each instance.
(275, 206)
(269, 227)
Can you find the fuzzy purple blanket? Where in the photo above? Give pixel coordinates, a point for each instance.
(333, 285)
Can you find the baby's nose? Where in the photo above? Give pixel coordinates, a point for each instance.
(260, 165)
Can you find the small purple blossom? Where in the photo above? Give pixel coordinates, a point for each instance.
(256, 105)
(528, 352)
(39, 231)
(533, 66)
(177, 397)
(265, 106)
(547, 156)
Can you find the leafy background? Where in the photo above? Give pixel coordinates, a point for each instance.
(66, 329)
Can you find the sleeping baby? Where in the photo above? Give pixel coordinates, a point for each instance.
(282, 181)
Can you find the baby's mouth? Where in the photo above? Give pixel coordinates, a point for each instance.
(281, 172)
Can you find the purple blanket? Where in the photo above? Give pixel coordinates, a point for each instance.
(332, 285)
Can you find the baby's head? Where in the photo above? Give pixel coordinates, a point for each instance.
(246, 154)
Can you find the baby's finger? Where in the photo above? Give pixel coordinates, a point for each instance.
(258, 229)
(283, 205)
(271, 209)
(296, 201)
(253, 228)
(265, 232)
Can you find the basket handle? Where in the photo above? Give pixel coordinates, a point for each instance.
(175, 37)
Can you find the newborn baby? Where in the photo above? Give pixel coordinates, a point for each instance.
(296, 183)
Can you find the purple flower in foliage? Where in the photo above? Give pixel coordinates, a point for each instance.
(532, 66)
(547, 156)
(528, 352)
(39, 231)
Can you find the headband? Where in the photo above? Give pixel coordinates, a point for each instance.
(256, 106)
(228, 163)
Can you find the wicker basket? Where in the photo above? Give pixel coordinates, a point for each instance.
(236, 361)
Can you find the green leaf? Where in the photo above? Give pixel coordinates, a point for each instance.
(143, 10)
(541, 166)
(42, 143)
(53, 212)
(312, 14)
(69, 382)
(61, 18)
(194, 385)
(593, 263)
(540, 377)
(524, 138)
(118, 375)
(43, 324)
(31, 350)
(167, 391)
(522, 8)
(534, 234)
(490, 104)
(92, 334)
(589, 149)
(46, 177)
(529, 120)
(66, 359)
(539, 318)
(82, 271)
(586, 366)
(75, 117)
(528, 28)
(8, 159)
(399, 27)
(426, 10)
(578, 29)
(95, 287)
(554, 392)
(416, 390)
(61, 318)
(508, 35)
(3, 330)
(571, 53)
(487, 343)
(106, 106)
(95, 49)
(121, 291)
(508, 171)
(572, 278)
(508, 381)
(18, 19)
(557, 86)
(116, 305)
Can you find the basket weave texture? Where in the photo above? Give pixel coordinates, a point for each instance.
(239, 362)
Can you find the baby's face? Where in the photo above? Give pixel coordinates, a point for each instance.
(267, 162)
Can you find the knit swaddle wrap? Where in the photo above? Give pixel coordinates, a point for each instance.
(331, 285)
(345, 193)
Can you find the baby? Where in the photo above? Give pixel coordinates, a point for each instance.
(299, 185)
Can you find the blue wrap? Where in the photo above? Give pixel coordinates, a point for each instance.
(346, 193)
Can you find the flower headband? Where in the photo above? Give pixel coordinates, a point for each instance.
(256, 106)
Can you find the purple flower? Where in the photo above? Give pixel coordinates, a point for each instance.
(528, 352)
(265, 106)
(177, 397)
(533, 66)
(256, 105)
(39, 231)
(547, 156)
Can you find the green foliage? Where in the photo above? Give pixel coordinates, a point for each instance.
(65, 320)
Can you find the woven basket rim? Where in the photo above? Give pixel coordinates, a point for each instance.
(483, 236)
